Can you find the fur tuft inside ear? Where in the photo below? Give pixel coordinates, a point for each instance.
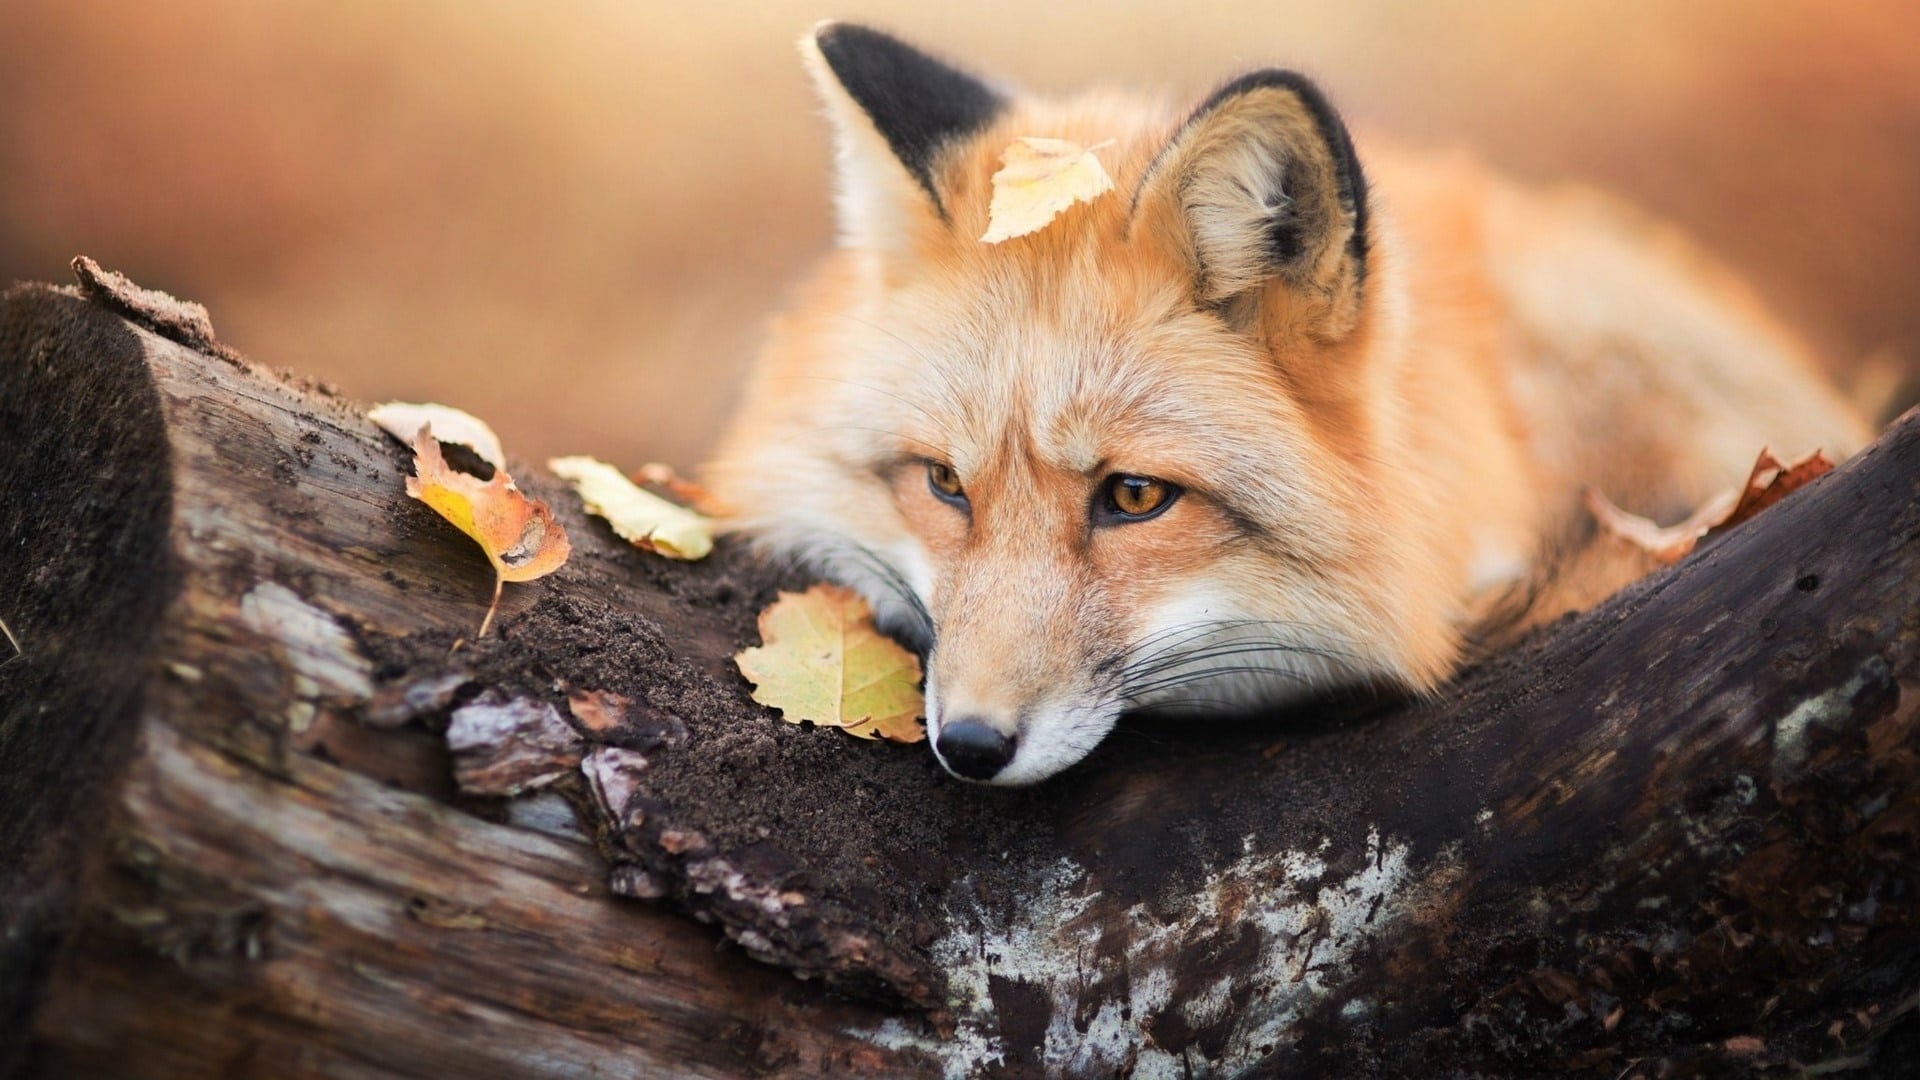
(1263, 182)
(893, 109)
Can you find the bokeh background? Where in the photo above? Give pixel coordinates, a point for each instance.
(574, 218)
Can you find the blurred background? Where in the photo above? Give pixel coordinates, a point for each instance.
(574, 218)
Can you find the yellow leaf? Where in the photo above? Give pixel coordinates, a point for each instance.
(638, 515)
(1039, 178)
(821, 659)
(450, 425)
(518, 534)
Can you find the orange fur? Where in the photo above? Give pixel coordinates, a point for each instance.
(1365, 459)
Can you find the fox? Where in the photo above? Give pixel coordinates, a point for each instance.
(1274, 418)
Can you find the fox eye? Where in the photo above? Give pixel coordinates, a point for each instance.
(1136, 498)
(945, 483)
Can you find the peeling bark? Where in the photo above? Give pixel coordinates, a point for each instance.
(281, 817)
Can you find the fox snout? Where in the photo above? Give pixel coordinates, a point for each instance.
(1011, 696)
(1011, 748)
(974, 747)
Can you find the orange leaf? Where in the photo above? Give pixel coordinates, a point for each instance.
(693, 494)
(598, 710)
(518, 534)
(1770, 481)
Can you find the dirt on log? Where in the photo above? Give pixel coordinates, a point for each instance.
(272, 810)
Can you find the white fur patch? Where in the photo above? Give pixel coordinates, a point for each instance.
(873, 192)
(1496, 561)
(1054, 738)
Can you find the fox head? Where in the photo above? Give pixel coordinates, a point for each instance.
(1148, 456)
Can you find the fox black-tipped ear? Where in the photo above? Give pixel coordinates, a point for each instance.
(1263, 185)
(894, 108)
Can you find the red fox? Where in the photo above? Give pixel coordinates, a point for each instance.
(1274, 416)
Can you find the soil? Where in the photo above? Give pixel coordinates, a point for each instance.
(872, 834)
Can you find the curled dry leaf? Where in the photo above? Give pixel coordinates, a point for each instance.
(402, 420)
(821, 659)
(1768, 483)
(693, 494)
(1038, 179)
(639, 516)
(599, 711)
(518, 534)
(1668, 544)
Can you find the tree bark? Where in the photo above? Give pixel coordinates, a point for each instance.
(270, 811)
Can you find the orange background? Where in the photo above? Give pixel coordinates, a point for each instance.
(573, 219)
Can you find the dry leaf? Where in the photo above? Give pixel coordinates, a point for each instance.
(518, 534)
(450, 425)
(599, 711)
(1039, 178)
(1668, 544)
(1768, 483)
(687, 491)
(821, 659)
(638, 516)
(1771, 481)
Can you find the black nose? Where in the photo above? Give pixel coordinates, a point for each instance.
(970, 747)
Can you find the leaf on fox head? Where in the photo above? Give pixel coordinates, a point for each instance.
(518, 534)
(1768, 483)
(821, 659)
(639, 516)
(1038, 179)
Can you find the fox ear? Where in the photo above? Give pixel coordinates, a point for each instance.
(1262, 188)
(893, 110)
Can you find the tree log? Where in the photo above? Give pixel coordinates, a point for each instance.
(272, 809)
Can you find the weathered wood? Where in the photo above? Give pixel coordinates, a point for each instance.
(227, 893)
(1680, 831)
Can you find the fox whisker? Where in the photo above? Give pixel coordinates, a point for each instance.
(1136, 694)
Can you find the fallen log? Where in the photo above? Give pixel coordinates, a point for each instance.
(273, 811)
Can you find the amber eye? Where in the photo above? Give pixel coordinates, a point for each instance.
(946, 483)
(1136, 498)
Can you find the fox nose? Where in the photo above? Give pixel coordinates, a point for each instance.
(971, 748)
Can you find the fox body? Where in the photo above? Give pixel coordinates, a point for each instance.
(1272, 417)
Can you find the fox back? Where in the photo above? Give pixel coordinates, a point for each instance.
(1267, 419)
